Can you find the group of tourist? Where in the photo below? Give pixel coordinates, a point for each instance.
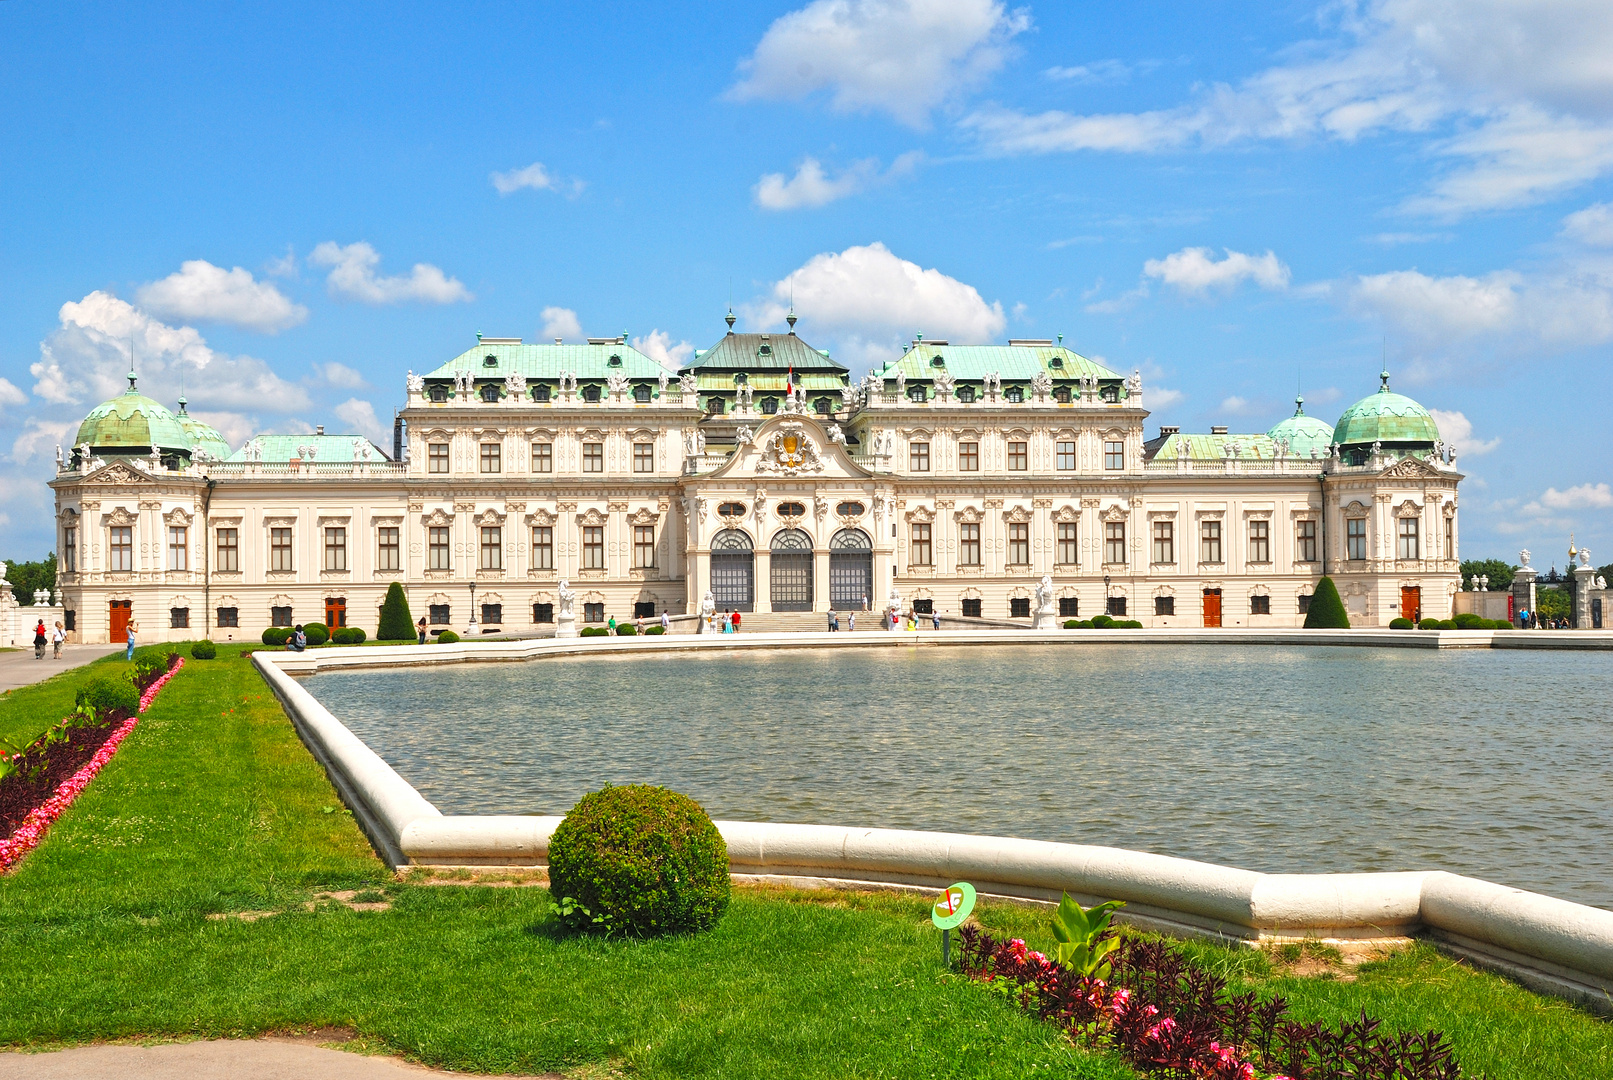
(1533, 620)
(56, 638)
(722, 622)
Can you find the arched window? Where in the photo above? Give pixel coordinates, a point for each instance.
(916, 393)
(714, 405)
(731, 540)
(641, 392)
(1062, 395)
(792, 540)
(966, 394)
(851, 540)
(823, 406)
(490, 392)
(769, 406)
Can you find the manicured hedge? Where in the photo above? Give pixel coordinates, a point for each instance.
(594, 631)
(348, 635)
(1401, 624)
(316, 632)
(396, 622)
(447, 637)
(106, 695)
(1327, 610)
(649, 630)
(626, 629)
(277, 635)
(203, 650)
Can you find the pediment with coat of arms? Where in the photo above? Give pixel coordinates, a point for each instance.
(789, 451)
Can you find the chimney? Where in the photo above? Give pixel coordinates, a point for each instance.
(1218, 430)
(1167, 431)
(320, 430)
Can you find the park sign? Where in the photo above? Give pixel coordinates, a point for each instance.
(953, 905)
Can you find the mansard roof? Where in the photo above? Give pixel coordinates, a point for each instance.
(1214, 447)
(495, 358)
(329, 449)
(761, 353)
(1018, 361)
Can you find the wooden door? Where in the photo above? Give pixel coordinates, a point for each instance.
(1411, 602)
(120, 621)
(335, 611)
(1212, 607)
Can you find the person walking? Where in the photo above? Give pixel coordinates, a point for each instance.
(736, 620)
(865, 601)
(666, 622)
(130, 633)
(851, 622)
(935, 618)
(610, 625)
(39, 640)
(58, 639)
(420, 631)
(638, 624)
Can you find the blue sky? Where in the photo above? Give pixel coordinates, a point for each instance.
(289, 206)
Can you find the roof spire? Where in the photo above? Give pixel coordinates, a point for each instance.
(790, 318)
(1384, 375)
(729, 319)
(1299, 404)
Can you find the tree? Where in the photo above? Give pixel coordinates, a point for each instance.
(1553, 603)
(1327, 610)
(396, 622)
(28, 577)
(1499, 572)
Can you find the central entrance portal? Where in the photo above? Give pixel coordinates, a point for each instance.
(851, 570)
(791, 559)
(733, 571)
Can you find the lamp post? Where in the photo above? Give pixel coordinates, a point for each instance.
(472, 628)
(1105, 594)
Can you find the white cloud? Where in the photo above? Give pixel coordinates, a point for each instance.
(203, 292)
(360, 416)
(10, 395)
(870, 301)
(1158, 397)
(1195, 270)
(236, 427)
(1568, 308)
(536, 177)
(40, 438)
(811, 186)
(1578, 497)
(353, 277)
(338, 374)
(559, 322)
(1235, 405)
(1518, 156)
(284, 266)
(1097, 72)
(1592, 225)
(900, 57)
(657, 345)
(1456, 429)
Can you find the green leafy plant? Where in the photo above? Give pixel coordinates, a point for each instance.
(102, 696)
(1401, 623)
(277, 635)
(1327, 610)
(1101, 622)
(626, 629)
(653, 630)
(1084, 937)
(594, 631)
(447, 637)
(316, 632)
(396, 622)
(203, 650)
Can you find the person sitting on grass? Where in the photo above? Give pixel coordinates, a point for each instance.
(298, 640)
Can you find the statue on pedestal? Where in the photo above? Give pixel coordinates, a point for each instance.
(708, 609)
(565, 620)
(893, 609)
(1045, 617)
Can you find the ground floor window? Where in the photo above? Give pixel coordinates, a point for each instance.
(1069, 607)
(1164, 605)
(1304, 603)
(971, 608)
(924, 607)
(437, 614)
(1260, 605)
(593, 613)
(543, 613)
(644, 609)
(1117, 605)
(279, 616)
(1019, 607)
(228, 616)
(179, 618)
(69, 619)
(493, 614)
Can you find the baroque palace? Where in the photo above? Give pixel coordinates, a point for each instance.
(957, 475)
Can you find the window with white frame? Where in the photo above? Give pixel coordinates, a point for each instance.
(542, 547)
(593, 457)
(593, 547)
(178, 547)
(1164, 541)
(280, 553)
(437, 457)
(969, 457)
(1019, 543)
(335, 548)
(1019, 456)
(1209, 541)
(1450, 538)
(1114, 542)
(968, 543)
(919, 551)
(492, 457)
(439, 548)
(70, 549)
(388, 549)
(1305, 541)
(1069, 545)
(643, 457)
(542, 457)
(1355, 539)
(492, 548)
(1114, 455)
(1260, 541)
(1408, 546)
(918, 456)
(644, 546)
(229, 550)
(1066, 455)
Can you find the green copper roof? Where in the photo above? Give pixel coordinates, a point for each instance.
(549, 362)
(202, 436)
(1212, 447)
(758, 354)
(1304, 433)
(132, 423)
(1013, 363)
(328, 449)
(1386, 417)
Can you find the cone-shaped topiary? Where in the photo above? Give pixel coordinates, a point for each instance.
(638, 860)
(396, 622)
(1327, 610)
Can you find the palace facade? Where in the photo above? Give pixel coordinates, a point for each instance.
(760, 472)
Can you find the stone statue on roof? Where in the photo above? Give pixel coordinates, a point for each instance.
(416, 384)
(1041, 385)
(515, 385)
(744, 435)
(943, 386)
(616, 383)
(836, 435)
(361, 450)
(661, 380)
(850, 397)
(687, 384)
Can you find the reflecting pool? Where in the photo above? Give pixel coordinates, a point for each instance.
(1494, 764)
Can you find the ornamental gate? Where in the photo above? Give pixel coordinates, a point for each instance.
(733, 571)
(791, 559)
(851, 570)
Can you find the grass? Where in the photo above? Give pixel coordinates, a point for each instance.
(213, 807)
(27, 711)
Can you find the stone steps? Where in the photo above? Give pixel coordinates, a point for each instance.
(775, 622)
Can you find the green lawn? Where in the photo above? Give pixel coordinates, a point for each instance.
(213, 805)
(28, 710)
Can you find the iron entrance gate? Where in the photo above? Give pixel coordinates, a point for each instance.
(733, 571)
(791, 560)
(851, 570)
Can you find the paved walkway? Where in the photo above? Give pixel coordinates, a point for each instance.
(21, 669)
(243, 1059)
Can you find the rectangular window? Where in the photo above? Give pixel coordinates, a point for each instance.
(1450, 538)
(918, 456)
(923, 606)
(593, 547)
(1069, 607)
(1260, 541)
(542, 457)
(1116, 606)
(388, 550)
(1304, 603)
(1114, 542)
(968, 544)
(228, 616)
(919, 552)
(1066, 455)
(971, 608)
(1260, 605)
(1019, 543)
(70, 549)
(120, 548)
(543, 613)
(1164, 605)
(335, 548)
(593, 457)
(437, 614)
(1114, 455)
(969, 457)
(492, 457)
(492, 548)
(1164, 541)
(593, 613)
(229, 550)
(280, 550)
(1355, 538)
(492, 614)
(1306, 542)
(279, 616)
(437, 457)
(1019, 607)
(178, 547)
(1408, 546)
(643, 457)
(179, 618)
(69, 619)
(644, 609)
(1209, 541)
(542, 547)
(439, 548)
(643, 545)
(1069, 545)
(1019, 458)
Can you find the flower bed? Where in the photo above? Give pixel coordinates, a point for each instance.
(1171, 1018)
(58, 766)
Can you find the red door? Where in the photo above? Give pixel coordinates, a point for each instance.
(1212, 607)
(335, 611)
(1411, 602)
(120, 621)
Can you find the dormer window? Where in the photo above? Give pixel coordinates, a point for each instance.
(590, 393)
(916, 393)
(741, 379)
(1014, 395)
(938, 361)
(540, 392)
(439, 393)
(490, 360)
(823, 406)
(966, 394)
(614, 361)
(714, 406)
(1111, 394)
(641, 393)
(765, 348)
(1061, 395)
(769, 406)
(490, 392)
(1057, 361)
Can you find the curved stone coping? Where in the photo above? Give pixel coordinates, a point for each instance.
(1553, 945)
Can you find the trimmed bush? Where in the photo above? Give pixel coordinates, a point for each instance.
(1327, 610)
(649, 630)
(1497, 624)
(203, 650)
(1446, 624)
(1126, 624)
(317, 633)
(626, 629)
(396, 622)
(1401, 624)
(106, 695)
(1101, 622)
(594, 631)
(1428, 624)
(447, 637)
(638, 860)
(1469, 621)
(347, 635)
(1073, 624)
(277, 635)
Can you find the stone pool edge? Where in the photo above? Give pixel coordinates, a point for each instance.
(1550, 945)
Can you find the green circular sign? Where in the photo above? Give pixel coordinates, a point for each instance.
(953, 905)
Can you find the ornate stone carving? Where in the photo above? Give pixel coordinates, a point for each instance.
(789, 452)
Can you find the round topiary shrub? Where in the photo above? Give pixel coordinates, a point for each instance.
(626, 629)
(638, 860)
(1446, 624)
(653, 630)
(108, 695)
(1101, 622)
(1428, 624)
(276, 635)
(594, 631)
(1073, 624)
(356, 634)
(203, 650)
(316, 632)
(447, 637)
(1401, 624)
(1469, 621)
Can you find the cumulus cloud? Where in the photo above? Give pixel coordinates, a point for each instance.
(359, 415)
(1592, 225)
(1236, 406)
(559, 322)
(903, 58)
(657, 345)
(1578, 497)
(1456, 429)
(353, 277)
(536, 177)
(811, 186)
(203, 292)
(10, 395)
(870, 300)
(1098, 72)
(39, 438)
(1567, 308)
(1195, 271)
(338, 374)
